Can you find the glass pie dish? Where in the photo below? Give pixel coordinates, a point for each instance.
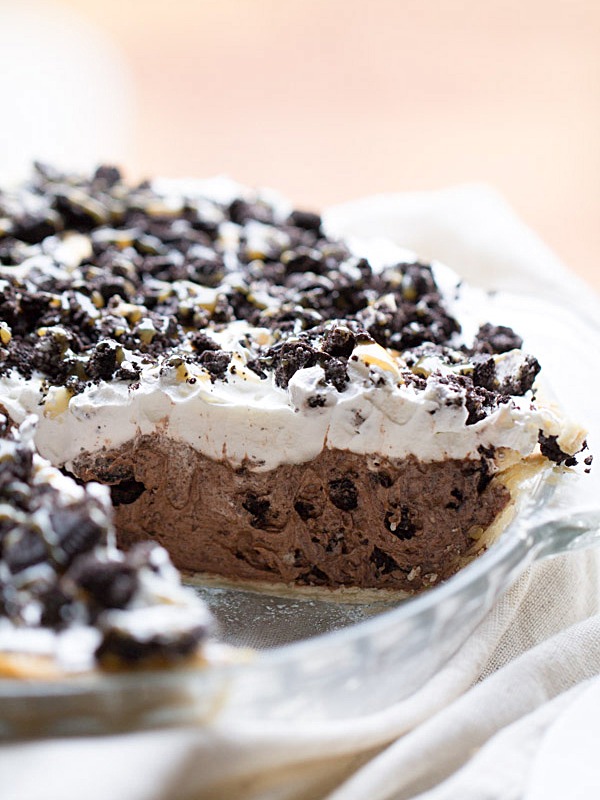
(314, 659)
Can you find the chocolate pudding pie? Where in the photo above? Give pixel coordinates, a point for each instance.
(261, 400)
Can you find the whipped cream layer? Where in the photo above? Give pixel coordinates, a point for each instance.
(251, 419)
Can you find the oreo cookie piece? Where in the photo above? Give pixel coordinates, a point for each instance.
(59, 568)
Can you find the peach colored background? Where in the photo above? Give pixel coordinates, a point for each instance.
(328, 100)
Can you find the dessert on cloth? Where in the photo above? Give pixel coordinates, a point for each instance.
(267, 402)
(476, 728)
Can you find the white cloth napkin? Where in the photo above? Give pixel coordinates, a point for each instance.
(479, 727)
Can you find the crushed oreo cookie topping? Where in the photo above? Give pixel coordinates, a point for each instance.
(60, 569)
(100, 280)
(550, 448)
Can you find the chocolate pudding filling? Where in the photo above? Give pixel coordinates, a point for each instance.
(342, 519)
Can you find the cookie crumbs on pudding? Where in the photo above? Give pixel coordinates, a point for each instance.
(261, 399)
